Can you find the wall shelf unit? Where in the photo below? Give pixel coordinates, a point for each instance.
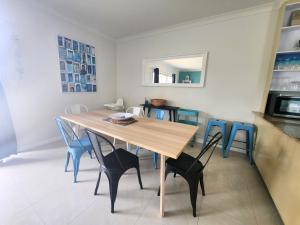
(290, 71)
(286, 67)
(288, 51)
(290, 28)
(284, 78)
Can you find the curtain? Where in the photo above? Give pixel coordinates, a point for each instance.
(8, 142)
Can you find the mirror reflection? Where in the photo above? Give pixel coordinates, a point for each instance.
(175, 71)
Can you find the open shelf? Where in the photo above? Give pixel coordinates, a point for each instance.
(288, 51)
(292, 6)
(292, 71)
(291, 28)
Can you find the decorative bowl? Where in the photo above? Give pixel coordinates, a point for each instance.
(158, 102)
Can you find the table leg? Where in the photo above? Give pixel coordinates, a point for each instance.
(162, 185)
(170, 115)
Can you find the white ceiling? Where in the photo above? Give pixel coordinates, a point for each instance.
(121, 18)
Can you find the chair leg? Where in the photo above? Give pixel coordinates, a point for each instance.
(223, 130)
(193, 194)
(137, 150)
(98, 182)
(76, 162)
(113, 189)
(247, 143)
(207, 131)
(229, 144)
(114, 144)
(250, 145)
(193, 141)
(128, 146)
(155, 156)
(202, 185)
(67, 161)
(166, 174)
(139, 176)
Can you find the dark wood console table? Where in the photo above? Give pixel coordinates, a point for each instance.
(172, 110)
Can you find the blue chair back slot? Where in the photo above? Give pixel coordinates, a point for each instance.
(159, 114)
(67, 132)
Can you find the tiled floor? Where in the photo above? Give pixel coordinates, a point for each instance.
(35, 190)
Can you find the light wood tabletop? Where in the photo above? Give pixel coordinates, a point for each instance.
(164, 137)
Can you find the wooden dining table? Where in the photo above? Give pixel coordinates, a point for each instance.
(160, 136)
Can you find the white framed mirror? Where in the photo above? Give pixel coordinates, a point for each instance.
(175, 71)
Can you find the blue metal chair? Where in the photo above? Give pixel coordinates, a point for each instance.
(188, 116)
(76, 146)
(249, 129)
(216, 123)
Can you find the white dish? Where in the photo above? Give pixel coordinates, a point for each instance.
(121, 116)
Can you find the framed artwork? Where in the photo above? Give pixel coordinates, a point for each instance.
(77, 63)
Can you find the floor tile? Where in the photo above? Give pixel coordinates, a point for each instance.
(36, 190)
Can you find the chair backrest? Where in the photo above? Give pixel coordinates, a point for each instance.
(212, 144)
(159, 114)
(137, 111)
(76, 109)
(100, 142)
(187, 114)
(120, 102)
(67, 132)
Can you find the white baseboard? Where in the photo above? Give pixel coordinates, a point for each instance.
(27, 147)
(200, 140)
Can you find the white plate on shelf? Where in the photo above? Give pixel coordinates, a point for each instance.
(121, 116)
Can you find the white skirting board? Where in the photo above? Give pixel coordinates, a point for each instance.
(28, 147)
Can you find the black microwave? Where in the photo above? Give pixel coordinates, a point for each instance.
(284, 104)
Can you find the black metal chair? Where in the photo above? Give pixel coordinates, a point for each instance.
(114, 164)
(191, 169)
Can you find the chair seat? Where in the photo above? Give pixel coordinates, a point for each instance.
(85, 142)
(183, 162)
(120, 156)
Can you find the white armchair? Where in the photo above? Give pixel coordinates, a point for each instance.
(136, 110)
(118, 106)
(76, 109)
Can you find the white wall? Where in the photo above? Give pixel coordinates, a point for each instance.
(30, 73)
(239, 47)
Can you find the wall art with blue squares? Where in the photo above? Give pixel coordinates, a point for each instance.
(77, 62)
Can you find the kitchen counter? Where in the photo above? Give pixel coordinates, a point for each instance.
(290, 127)
(277, 157)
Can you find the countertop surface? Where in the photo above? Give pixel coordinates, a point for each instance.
(291, 127)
